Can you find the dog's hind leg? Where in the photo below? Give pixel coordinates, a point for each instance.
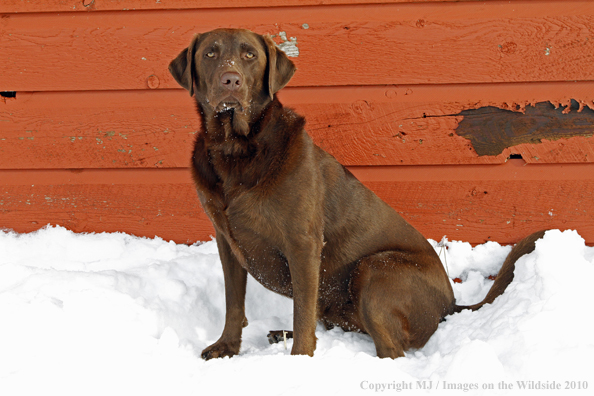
(400, 299)
(380, 317)
(386, 328)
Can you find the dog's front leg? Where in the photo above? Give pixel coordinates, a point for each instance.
(304, 264)
(235, 282)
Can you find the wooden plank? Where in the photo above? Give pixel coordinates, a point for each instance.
(97, 130)
(430, 43)
(9, 6)
(471, 203)
(134, 202)
(394, 125)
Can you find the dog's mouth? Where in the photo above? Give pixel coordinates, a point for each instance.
(229, 105)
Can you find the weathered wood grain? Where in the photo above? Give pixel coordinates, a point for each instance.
(380, 84)
(97, 130)
(8, 6)
(429, 43)
(132, 202)
(491, 130)
(394, 125)
(470, 203)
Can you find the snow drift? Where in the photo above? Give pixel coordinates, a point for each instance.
(98, 314)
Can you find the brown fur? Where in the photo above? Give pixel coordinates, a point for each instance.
(299, 222)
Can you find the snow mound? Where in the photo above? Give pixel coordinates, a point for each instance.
(99, 314)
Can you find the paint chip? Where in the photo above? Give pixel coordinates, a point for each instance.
(288, 46)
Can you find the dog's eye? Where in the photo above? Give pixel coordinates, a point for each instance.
(210, 54)
(250, 55)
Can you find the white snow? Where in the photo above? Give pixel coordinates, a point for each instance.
(112, 314)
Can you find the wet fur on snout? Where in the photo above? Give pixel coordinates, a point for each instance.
(300, 223)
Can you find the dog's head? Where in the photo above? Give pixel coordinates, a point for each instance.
(233, 71)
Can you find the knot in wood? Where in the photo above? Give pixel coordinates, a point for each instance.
(153, 81)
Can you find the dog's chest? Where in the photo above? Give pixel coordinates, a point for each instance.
(244, 221)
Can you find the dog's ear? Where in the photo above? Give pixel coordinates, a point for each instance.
(182, 67)
(280, 67)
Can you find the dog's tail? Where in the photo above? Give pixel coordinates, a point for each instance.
(506, 273)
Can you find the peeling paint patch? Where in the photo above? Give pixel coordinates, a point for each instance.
(491, 130)
(288, 46)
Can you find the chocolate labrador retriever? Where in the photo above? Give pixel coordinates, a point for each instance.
(298, 221)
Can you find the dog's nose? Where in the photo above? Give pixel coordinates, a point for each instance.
(231, 81)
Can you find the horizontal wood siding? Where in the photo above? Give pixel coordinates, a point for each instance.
(130, 5)
(425, 101)
(394, 125)
(502, 203)
(430, 43)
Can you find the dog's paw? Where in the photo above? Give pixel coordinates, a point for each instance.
(219, 350)
(276, 336)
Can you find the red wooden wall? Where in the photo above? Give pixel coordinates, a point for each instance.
(98, 135)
